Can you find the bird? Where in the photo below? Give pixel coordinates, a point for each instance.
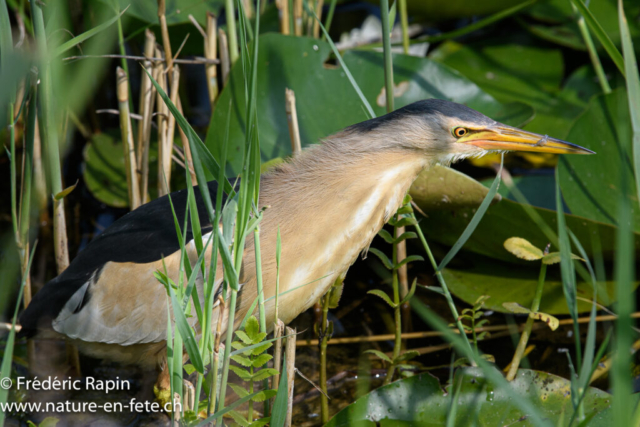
(327, 203)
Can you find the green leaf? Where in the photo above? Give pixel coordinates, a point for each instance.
(405, 236)
(380, 355)
(241, 392)
(262, 421)
(385, 259)
(280, 403)
(186, 332)
(475, 220)
(264, 373)
(404, 222)
(443, 188)
(382, 295)
(412, 290)
(554, 258)
(252, 328)
(238, 418)
(602, 36)
(242, 373)
(64, 193)
(523, 249)
(244, 361)
(508, 282)
(261, 348)
(261, 360)
(177, 11)
(301, 60)
(264, 395)
(86, 35)
(103, 171)
(385, 235)
(335, 294)
(189, 368)
(407, 355)
(225, 410)
(246, 339)
(410, 258)
(420, 400)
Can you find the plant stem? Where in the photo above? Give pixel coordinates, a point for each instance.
(234, 52)
(593, 53)
(524, 338)
(444, 287)
(324, 338)
(404, 22)
(50, 136)
(397, 344)
(388, 58)
(262, 315)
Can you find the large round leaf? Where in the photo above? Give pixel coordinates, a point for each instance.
(177, 11)
(421, 401)
(326, 102)
(556, 21)
(437, 10)
(104, 171)
(474, 276)
(530, 74)
(591, 184)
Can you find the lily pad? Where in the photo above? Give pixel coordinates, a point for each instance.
(556, 21)
(441, 187)
(104, 173)
(177, 11)
(421, 401)
(591, 184)
(506, 219)
(325, 100)
(530, 74)
(474, 276)
(436, 10)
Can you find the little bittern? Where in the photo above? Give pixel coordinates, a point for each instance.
(329, 203)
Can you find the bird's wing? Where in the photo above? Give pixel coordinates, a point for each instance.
(109, 292)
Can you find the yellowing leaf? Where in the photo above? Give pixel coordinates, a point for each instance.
(550, 320)
(523, 249)
(554, 258)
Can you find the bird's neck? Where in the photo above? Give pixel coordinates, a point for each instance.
(329, 204)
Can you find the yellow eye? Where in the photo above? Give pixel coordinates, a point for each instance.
(459, 132)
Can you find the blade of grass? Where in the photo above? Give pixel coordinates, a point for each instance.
(5, 367)
(492, 375)
(86, 35)
(633, 88)
(568, 272)
(343, 65)
(602, 36)
(477, 217)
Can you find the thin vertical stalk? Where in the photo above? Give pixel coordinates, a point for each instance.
(225, 65)
(278, 331)
(50, 135)
(526, 333)
(211, 52)
(297, 16)
(187, 150)
(171, 127)
(262, 316)
(404, 22)
(324, 326)
(330, 13)
(127, 139)
(292, 121)
(233, 51)
(166, 41)
(397, 344)
(290, 357)
(593, 53)
(283, 12)
(445, 288)
(316, 22)
(161, 119)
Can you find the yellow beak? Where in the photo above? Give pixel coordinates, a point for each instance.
(503, 137)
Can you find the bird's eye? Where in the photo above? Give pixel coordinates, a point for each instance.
(459, 132)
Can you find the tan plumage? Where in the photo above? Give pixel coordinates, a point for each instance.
(328, 203)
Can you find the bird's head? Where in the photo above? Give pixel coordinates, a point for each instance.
(446, 131)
